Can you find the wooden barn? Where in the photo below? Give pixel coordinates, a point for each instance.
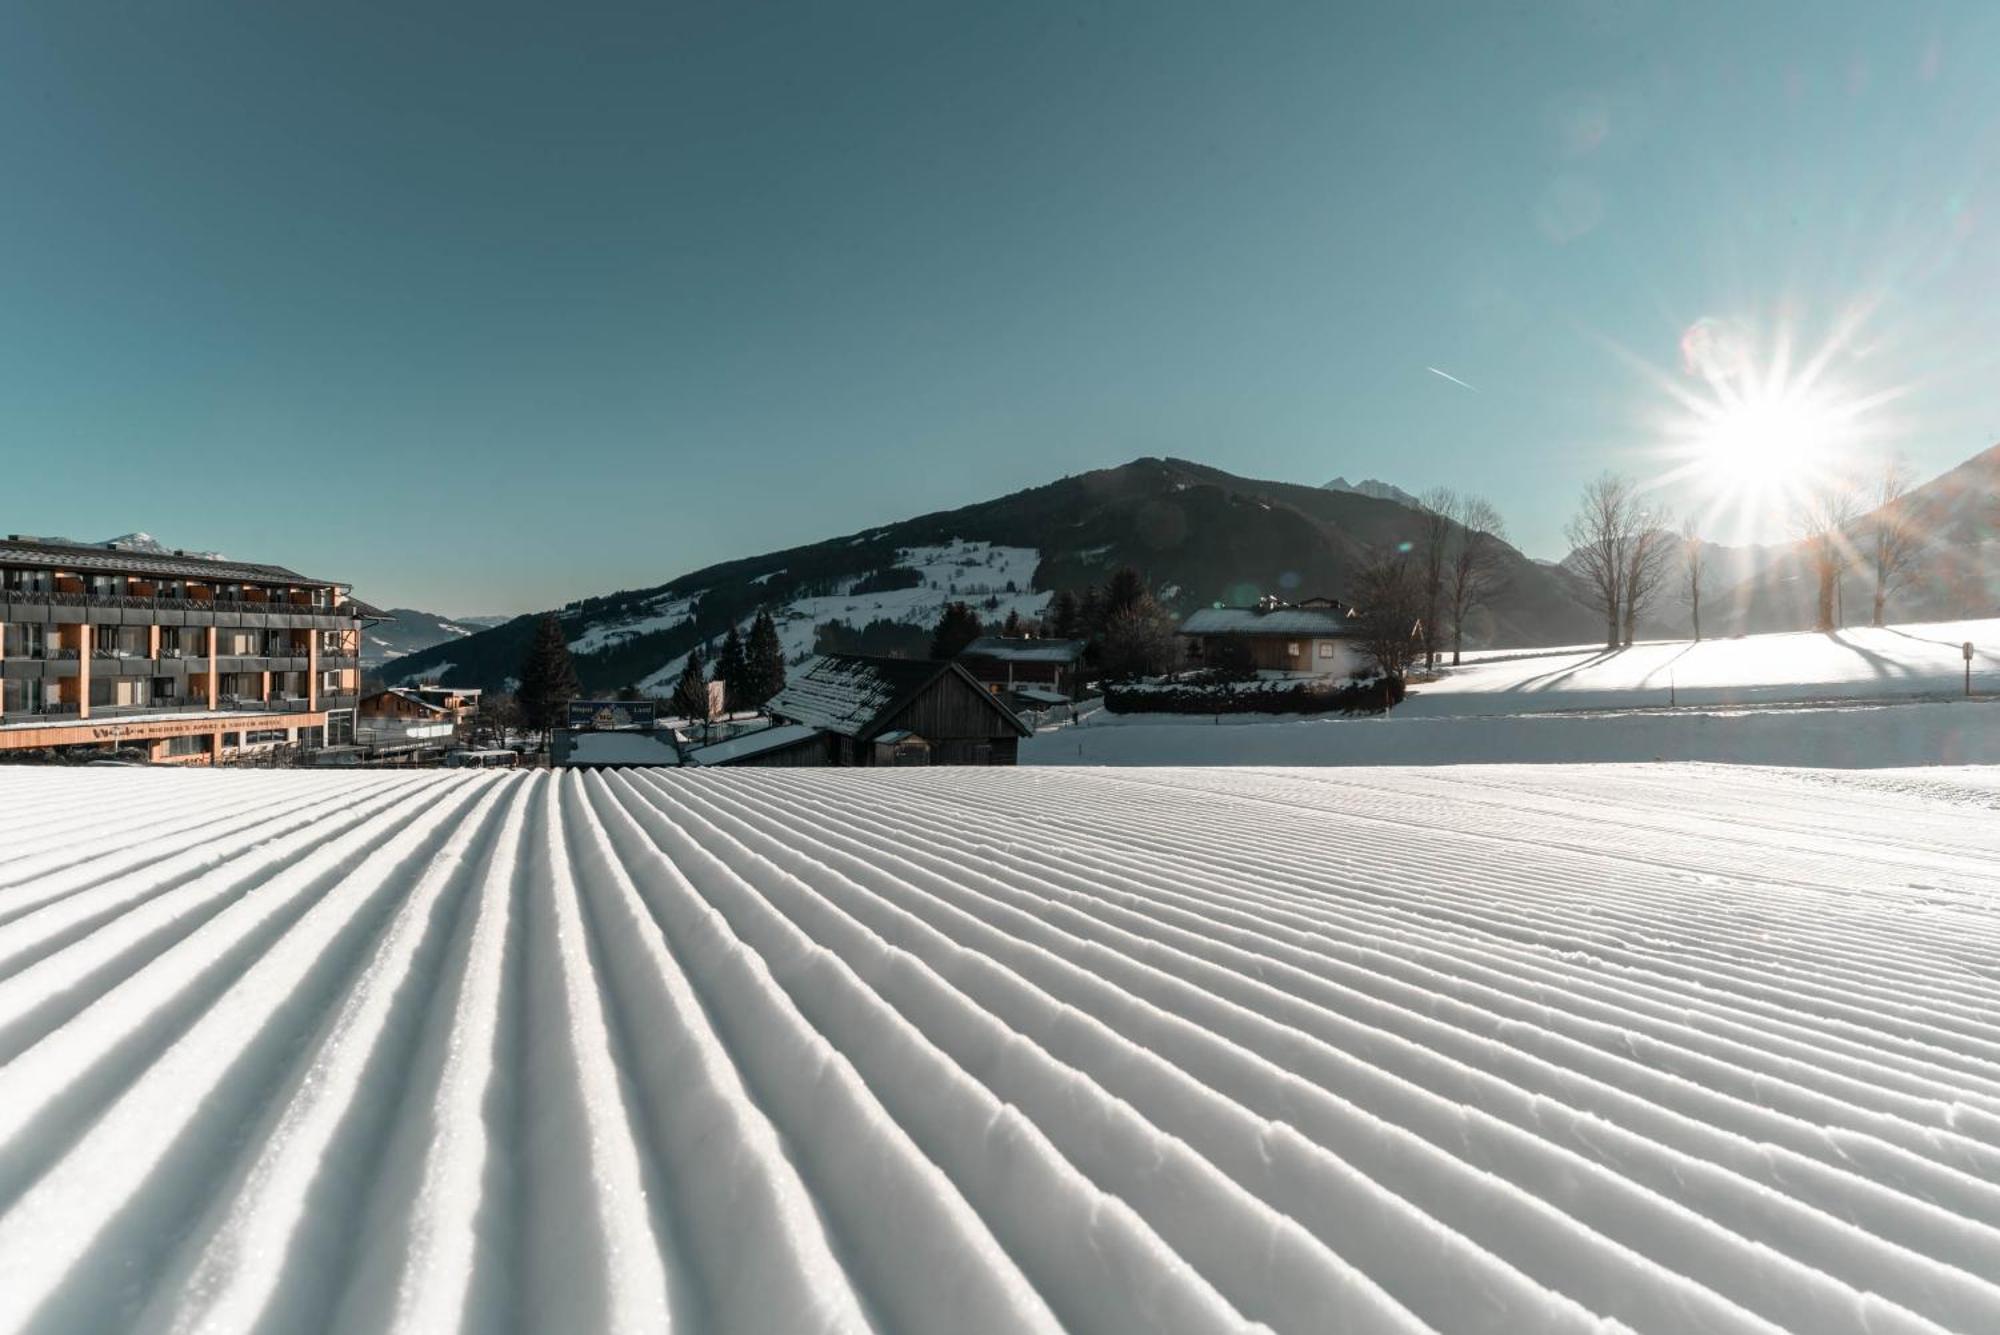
(845, 709)
(1014, 663)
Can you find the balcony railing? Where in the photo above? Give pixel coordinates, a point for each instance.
(233, 606)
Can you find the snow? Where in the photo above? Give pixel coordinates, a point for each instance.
(1855, 663)
(665, 612)
(955, 571)
(1556, 1048)
(1859, 698)
(751, 743)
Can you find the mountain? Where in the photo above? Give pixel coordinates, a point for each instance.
(410, 632)
(1381, 491)
(1199, 535)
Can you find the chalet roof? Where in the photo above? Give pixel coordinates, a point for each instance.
(762, 742)
(1014, 649)
(1283, 620)
(99, 558)
(855, 696)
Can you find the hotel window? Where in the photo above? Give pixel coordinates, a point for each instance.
(191, 745)
(29, 581)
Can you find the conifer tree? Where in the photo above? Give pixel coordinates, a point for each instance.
(1066, 616)
(731, 668)
(1123, 592)
(691, 691)
(764, 667)
(548, 678)
(958, 627)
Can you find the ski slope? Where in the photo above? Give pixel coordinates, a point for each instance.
(1550, 1049)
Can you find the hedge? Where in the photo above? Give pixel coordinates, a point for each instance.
(1369, 695)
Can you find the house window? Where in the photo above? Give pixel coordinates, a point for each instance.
(1326, 648)
(1292, 649)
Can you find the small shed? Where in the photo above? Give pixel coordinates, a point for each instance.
(938, 710)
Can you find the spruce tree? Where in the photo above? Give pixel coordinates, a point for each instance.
(548, 678)
(1066, 616)
(958, 627)
(691, 691)
(1123, 593)
(731, 667)
(1012, 626)
(764, 666)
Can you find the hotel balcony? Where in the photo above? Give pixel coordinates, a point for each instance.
(123, 609)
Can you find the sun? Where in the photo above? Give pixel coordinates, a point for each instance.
(1764, 444)
(1753, 433)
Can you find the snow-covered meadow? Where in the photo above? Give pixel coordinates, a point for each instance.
(1498, 1049)
(1861, 697)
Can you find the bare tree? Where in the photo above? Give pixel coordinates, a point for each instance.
(1475, 572)
(1694, 570)
(1439, 510)
(1894, 540)
(1821, 521)
(1599, 536)
(1390, 607)
(1649, 557)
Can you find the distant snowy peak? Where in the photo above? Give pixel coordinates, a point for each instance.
(144, 543)
(1381, 491)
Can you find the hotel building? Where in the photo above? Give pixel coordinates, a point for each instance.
(191, 659)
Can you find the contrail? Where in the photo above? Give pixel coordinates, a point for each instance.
(1449, 376)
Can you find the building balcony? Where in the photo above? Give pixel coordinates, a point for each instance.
(20, 605)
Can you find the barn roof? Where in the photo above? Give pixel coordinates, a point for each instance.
(855, 695)
(762, 742)
(1277, 621)
(1017, 649)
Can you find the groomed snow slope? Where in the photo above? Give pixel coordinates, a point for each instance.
(1506, 1049)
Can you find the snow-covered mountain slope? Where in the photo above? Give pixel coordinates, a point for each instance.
(1000, 1051)
(408, 631)
(996, 581)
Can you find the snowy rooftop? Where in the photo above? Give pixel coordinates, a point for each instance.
(1550, 1050)
(844, 693)
(751, 744)
(1279, 621)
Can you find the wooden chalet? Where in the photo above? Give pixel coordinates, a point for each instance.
(1313, 637)
(846, 709)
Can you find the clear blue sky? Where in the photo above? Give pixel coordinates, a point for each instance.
(484, 308)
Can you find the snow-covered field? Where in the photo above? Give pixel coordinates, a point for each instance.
(1838, 736)
(1858, 663)
(1860, 698)
(1501, 1049)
